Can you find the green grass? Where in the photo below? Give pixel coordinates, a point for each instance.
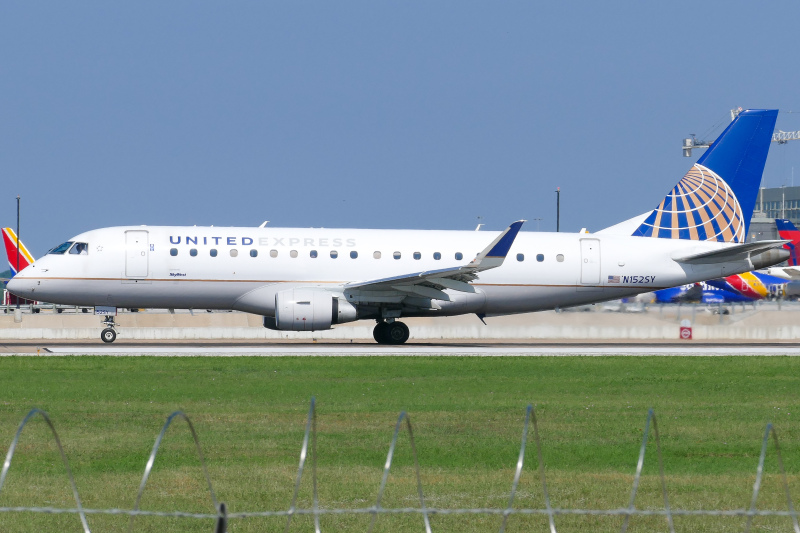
(467, 415)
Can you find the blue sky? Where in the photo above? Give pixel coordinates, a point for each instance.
(372, 114)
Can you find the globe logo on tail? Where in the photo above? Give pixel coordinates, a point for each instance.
(701, 207)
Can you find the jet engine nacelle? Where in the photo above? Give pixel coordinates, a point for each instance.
(309, 310)
(769, 258)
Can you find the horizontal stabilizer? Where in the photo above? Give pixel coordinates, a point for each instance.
(739, 252)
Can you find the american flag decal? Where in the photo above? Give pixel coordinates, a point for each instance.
(613, 279)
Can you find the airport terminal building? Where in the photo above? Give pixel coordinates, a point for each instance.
(779, 202)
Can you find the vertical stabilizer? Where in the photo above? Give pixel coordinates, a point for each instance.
(716, 198)
(788, 231)
(10, 241)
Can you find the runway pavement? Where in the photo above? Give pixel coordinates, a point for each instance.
(414, 349)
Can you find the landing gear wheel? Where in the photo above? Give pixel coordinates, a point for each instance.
(396, 333)
(379, 333)
(108, 335)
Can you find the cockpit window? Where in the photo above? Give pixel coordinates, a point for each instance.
(61, 248)
(80, 248)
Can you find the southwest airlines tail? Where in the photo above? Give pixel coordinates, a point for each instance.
(715, 200)
(10, 241)
(787, 230)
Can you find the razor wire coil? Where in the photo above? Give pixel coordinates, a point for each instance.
(221, 516)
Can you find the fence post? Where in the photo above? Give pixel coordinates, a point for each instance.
(222, 521)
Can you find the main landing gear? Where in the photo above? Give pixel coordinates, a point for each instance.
(109, 334)
(390, 332)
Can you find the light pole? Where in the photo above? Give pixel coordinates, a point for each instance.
(558, 208)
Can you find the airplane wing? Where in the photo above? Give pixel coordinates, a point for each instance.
(738, 252)
(431, 283)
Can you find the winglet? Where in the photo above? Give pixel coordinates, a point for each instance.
(494, 254)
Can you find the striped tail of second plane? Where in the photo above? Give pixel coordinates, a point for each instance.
(16, 261)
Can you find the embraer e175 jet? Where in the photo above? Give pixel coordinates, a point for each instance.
(313, 279)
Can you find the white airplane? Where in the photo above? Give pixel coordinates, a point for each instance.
(312, 279)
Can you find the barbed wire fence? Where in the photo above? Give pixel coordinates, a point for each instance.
(221, 517)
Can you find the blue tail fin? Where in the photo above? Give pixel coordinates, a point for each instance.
(715, 200)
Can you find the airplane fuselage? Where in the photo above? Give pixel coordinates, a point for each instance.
(243, 268)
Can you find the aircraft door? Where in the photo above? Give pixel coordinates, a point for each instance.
(137, 248)
(590, 261)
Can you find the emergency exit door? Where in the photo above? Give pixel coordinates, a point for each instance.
(137, 249)
(590, 261)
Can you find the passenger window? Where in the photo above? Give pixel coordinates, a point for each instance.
(253, 253)
(80, 248)
(61, 248)
(293, 254)
(273, 253)
(376, 255)
(313, 254)
(437, 255)
(193, 252)
(234, 252)
(417, 255)
(560, 258)
(173, 252)
(353, 254)
(540, 257)
(396, 255)
(213, 252)
(459, 256)
(334, 254)
(520, 257)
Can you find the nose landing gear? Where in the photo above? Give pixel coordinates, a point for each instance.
(394, 332)
(109, 334)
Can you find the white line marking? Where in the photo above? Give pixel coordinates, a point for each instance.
(411, 350)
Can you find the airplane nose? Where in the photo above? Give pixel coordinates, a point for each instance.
(18, 286)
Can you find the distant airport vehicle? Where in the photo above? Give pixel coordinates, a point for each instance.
(312, 279)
